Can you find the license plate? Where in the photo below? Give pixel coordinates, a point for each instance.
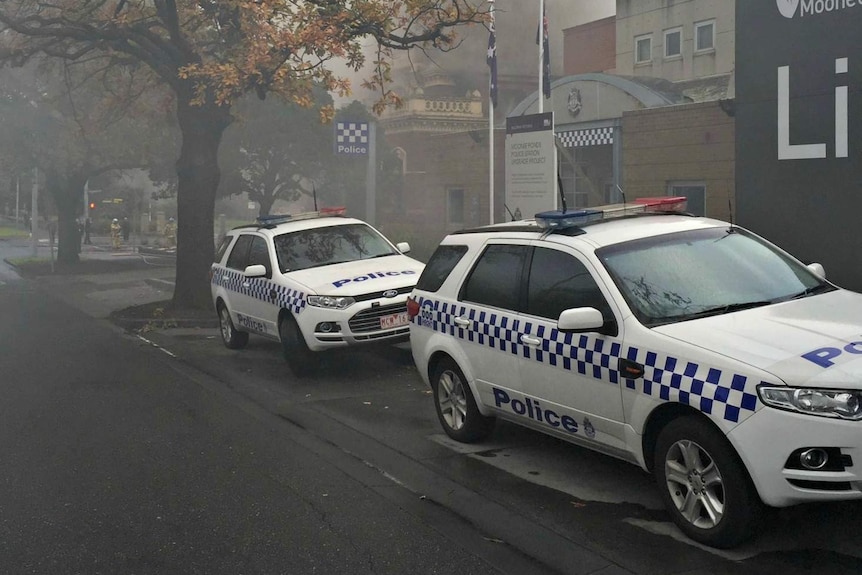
(394, 320)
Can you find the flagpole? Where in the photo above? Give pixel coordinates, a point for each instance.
(541, 54)
(491, 90)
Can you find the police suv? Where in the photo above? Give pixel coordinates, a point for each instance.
(313, 281)
(688, 346)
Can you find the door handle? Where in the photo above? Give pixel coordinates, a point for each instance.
(531, 341)
(630, 369)
(462, 321)
(246, 284)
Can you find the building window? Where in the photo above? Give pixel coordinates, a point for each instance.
(643, 49)
(704, 36)
(673, 43)
(695, 192)
(455, 206)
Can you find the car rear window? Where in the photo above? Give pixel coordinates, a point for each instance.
(442, 262)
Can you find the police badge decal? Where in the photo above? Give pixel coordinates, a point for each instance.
(574, 104)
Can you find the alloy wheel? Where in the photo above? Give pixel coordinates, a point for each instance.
(695, 484)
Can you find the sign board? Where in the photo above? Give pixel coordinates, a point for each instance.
(351, 138)
(531, 165)
(798, 112)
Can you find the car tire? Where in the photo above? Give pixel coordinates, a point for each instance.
(301, 360)
(455, 405)
(705, 485)
(230, 336)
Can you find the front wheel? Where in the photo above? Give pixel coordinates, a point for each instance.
(301, 360)
(456, 407)
(704, 485)
(231, 338)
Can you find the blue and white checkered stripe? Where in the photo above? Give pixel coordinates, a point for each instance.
(260, 288)
(713, 391)
(726, 395)
(351, 132)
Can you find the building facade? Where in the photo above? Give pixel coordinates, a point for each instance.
(646, 111)
(799, 128)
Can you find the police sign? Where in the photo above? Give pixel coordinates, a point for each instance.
(351, 138)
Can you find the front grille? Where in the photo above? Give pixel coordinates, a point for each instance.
(398, 333)
(379, 294)
(369, 319)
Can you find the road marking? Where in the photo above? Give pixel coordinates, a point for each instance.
(157, 346)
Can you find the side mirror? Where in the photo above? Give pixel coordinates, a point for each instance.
(580, 319)
(403, 247)
(817, 269)
(255, 271)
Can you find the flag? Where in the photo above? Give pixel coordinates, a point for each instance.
(542, 32)
(492, 62)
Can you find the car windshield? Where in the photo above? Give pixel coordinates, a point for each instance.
(688, 275)
(331, 245)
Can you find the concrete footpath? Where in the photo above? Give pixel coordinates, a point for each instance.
(109, 280)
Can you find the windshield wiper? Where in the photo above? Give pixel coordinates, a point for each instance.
(820, 288)
(723, 309)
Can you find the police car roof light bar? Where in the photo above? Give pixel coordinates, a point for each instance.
(275, 219)
(559, 219)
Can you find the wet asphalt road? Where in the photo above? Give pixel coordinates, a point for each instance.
(116, 459)
(166, 453)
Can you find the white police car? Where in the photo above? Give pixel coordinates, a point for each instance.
(314, 282)
(686, 345)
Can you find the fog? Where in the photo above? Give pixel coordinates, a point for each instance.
(517, 54)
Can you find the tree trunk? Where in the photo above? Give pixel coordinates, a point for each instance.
(198, 177)
(68, 195)
(266, 202)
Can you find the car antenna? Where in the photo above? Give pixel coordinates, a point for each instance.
(622, 193)
(560, 188)
(314, 195)
(730, 210)
(510, 212)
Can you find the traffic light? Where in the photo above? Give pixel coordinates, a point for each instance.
(92, 205)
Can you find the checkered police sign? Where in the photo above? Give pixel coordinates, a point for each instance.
(351, 139)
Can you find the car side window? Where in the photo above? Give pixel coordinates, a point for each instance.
(259, 254)
(438, 268)
(496, 278)
(238, 258)
(222, 248)
(559, 281)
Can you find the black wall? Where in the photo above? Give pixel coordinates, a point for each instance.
(810, 207)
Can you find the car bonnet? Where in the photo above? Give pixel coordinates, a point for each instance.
(360, 276)
(814, 341)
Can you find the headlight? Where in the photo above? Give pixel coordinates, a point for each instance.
(330, 302)
(846, 404)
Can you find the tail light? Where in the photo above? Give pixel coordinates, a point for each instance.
(412, 308)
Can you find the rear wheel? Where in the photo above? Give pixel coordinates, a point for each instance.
(704, 485)
(456, 407)
(301, 360)
(231, 338)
